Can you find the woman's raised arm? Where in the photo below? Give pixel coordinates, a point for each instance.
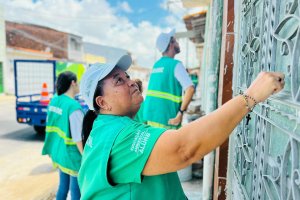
(176, 149)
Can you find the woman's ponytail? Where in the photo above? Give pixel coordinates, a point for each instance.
(91, 115)
(87, 125)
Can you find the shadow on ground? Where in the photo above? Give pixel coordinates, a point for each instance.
(26, 134)
(42, 169)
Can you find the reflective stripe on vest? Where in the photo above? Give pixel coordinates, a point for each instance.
(65, 170)
(60, 133)
(164, 95)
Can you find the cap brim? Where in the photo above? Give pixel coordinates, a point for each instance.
(172, 33)
(97, 72)
(124, 62)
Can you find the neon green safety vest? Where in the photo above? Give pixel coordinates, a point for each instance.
(58, 142)
(93, 178)
(164, 94)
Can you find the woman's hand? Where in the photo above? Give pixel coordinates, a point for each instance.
(265, 84)
(177, 120)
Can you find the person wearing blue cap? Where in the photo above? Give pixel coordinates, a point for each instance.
(168, 81)
(125, 159)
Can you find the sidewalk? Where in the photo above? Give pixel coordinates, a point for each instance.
(25, 173)
(6, 98)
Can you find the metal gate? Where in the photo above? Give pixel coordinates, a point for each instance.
(264, 156)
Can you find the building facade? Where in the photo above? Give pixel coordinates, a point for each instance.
(28, 41)
(2, 49)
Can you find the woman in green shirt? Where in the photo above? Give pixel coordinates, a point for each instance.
(124, 159)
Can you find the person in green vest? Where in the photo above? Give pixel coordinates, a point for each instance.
(168, 81)
(124, 159)
(63, 141)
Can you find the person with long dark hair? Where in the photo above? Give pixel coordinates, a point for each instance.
(63, 135)
(125, 159)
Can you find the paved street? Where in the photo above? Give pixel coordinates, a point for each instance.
(24, 174)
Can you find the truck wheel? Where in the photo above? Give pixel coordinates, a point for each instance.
(39, 129)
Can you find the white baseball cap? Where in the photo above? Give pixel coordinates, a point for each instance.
(163, 40)
(97, 72)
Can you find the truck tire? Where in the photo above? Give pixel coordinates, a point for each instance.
(39, 129)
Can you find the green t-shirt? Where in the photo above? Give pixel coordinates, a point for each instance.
(114, 158)
(139, 115)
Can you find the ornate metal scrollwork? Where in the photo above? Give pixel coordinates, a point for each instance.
(244, 157)
(284, 178)
(288, 33)
(266, 153)
(251, 46)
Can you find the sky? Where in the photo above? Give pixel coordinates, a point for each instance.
(129, 24)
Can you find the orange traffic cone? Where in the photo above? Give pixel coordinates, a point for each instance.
(45, 99)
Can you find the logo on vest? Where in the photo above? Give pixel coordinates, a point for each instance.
(158, 70)
(55, 110)
(140, 140)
